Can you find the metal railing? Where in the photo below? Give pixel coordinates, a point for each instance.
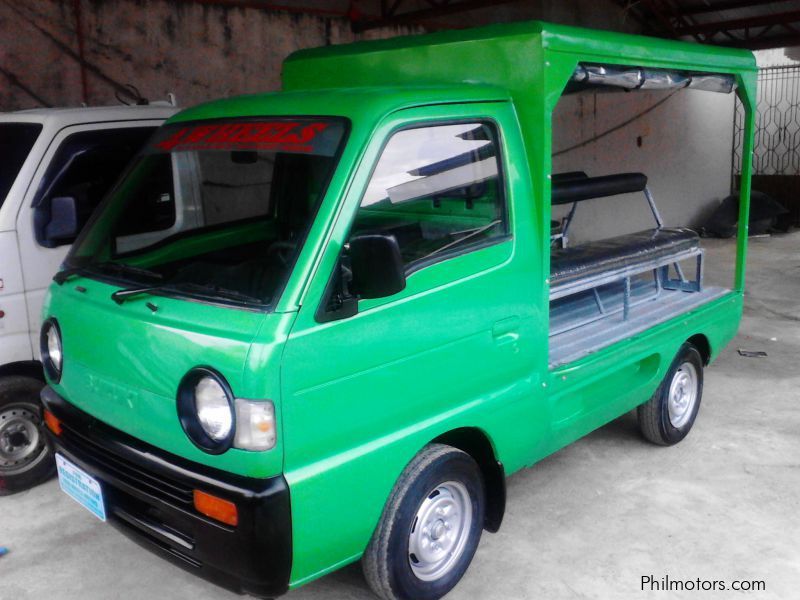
(777, 135)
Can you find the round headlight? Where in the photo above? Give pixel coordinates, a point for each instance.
(213, 408)
(206, 410)
(50, 348)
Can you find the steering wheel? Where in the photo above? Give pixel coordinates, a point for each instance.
(282, 250)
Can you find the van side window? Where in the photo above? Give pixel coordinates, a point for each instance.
(438, 190)
(84, 168)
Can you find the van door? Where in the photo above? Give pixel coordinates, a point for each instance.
(79, 167)
(456, 347)
(17, 140)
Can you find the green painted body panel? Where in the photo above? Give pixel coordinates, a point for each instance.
(464, 345)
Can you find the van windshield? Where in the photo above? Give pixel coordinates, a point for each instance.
(215, 210)
(16, 141)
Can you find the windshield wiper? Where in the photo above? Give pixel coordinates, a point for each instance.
(206, 291)
(126, 268)
(210, 290)
(121, 295)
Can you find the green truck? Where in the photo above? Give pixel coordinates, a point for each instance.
(323, 325)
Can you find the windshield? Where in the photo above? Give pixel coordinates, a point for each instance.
(16, 141)
(214, 210)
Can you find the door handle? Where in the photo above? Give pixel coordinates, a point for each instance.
(506, 330)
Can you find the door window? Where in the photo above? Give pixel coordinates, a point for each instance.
(438, 190)
(16, 141)
(83, 169)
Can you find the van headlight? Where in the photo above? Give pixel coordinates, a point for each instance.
(216, 421)
(51, 350)
(205, 409)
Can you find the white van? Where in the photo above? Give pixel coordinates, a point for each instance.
(55, 167)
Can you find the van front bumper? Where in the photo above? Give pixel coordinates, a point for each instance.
(148, 495)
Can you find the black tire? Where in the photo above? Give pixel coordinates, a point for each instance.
(655, 421)
(386, 562)
(26, 458)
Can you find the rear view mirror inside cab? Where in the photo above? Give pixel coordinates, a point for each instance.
(244, 157)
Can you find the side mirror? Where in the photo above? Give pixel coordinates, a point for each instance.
(377, 266)
(62, 225)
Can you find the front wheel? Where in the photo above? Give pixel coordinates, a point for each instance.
(430, 527)
(668, 416)
(26, 458)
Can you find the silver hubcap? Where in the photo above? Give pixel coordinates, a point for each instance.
(682, 395)
(21, 443)
(440, 531)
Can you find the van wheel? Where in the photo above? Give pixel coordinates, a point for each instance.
(668, 416)
(26, 458)
(430, 527)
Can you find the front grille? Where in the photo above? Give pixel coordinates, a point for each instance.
(163, 488)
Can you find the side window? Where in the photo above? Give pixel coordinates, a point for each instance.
(83, 169)
(437, 190)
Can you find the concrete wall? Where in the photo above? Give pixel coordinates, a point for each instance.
(200, 50)
(195, 50)
(683, 145)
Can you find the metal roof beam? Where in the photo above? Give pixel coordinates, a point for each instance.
(764, 44)
(410, 18)
(734, 24)
(703, 9)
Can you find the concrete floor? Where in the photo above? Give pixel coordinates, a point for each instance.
(587, 522)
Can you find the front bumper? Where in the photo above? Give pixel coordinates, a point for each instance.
(149, 497)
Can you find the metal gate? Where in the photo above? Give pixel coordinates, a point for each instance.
(776, 150)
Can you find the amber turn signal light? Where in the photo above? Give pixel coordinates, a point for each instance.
(218, 509)
(52, 422)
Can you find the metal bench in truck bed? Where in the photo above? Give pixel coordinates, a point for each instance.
(593, 265)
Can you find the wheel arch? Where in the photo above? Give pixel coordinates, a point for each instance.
(25, 368)
(700, 341)
(477, 444)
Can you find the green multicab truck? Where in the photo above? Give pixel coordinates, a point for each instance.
(323, 325)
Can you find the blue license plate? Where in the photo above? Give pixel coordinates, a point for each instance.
(81, 486)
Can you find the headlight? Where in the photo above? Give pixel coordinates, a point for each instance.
(50, 348)
(205, 408)
(213, 408)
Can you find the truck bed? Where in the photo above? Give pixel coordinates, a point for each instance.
(578, 338)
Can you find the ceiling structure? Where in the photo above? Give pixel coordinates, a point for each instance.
(753, 24)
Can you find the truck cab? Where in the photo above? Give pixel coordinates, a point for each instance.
(56, 166)
(368, 323)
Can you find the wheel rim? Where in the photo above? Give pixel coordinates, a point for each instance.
(22, 444)
(440, 531)
(682, 395)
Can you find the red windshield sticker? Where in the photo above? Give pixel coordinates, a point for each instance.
(280, 135)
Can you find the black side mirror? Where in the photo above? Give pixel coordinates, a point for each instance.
(377, 266)
(62, 222)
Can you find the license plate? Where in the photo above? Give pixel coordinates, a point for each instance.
(81, 486)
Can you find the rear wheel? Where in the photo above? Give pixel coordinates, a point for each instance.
(430, 527)
(668, 416)
(26, 458)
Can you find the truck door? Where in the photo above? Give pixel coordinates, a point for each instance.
(79, 167)
(362, 393)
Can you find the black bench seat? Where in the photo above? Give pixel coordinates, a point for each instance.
(616, 254)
